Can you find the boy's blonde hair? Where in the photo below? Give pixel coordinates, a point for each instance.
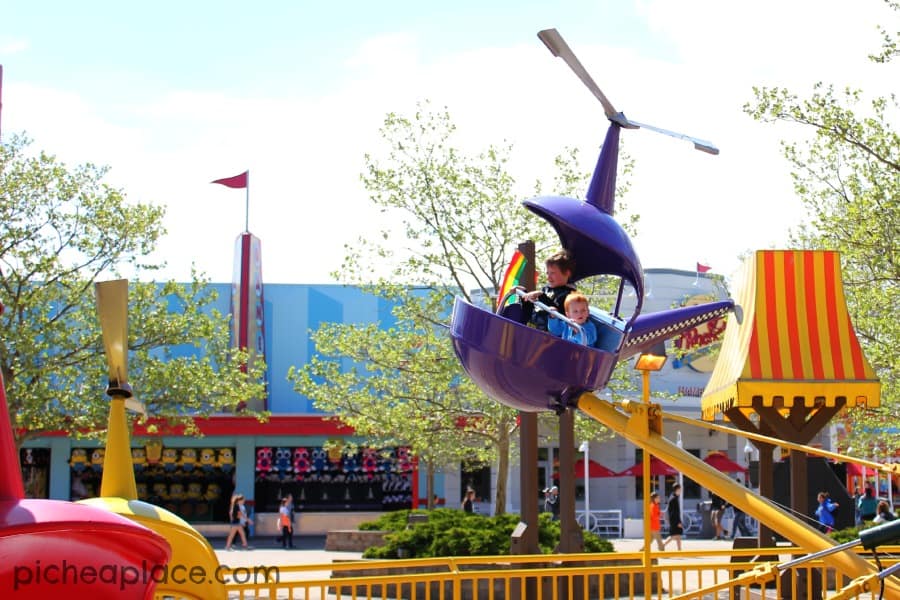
(574, 298)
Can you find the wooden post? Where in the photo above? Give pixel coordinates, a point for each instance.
(528, 443)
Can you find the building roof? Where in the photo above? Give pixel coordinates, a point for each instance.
(796, 342)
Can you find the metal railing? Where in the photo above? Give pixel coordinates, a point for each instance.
(671, 576)
(605, 523)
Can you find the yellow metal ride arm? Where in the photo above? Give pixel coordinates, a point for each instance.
(893, 468)
(643, 428)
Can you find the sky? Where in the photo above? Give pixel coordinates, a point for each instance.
(172, 95)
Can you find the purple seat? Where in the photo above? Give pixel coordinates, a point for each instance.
(523, 367)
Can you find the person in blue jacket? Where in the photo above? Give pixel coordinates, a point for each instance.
(577, 309)
(825, 511)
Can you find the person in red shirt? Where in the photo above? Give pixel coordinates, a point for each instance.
(655, 526)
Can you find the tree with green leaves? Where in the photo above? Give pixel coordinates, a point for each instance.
(461, 219)
(848, 178)
(62, 229)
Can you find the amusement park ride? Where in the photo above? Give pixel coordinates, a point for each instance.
(114, 546)
(103, 547)
(118, 490)
(51, 548)
(534, 371)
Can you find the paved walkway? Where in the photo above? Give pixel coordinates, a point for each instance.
(309, 550)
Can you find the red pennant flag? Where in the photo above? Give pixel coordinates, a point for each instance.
(238, 181)
(701, 268)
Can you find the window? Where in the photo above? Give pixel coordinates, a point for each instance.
(690, 489)
(477, 477)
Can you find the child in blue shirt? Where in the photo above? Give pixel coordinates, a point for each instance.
(824, 512)
(577, 309)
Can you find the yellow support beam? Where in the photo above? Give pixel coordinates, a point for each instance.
(118, 470)
(871, 464)
(756, 506)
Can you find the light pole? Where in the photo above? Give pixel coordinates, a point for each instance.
(649, 360)
(585, 447)
(680, 445)
(890, 484)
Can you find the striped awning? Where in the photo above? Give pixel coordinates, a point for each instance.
(795, 344)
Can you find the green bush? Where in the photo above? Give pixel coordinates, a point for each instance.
(452, 532)
(848, 534)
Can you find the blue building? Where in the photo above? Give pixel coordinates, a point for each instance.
(304, 452)
(299, 450)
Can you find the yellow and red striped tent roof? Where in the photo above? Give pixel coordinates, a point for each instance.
(796, 342)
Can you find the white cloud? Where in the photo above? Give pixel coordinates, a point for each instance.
(305, 152)
(10, 46)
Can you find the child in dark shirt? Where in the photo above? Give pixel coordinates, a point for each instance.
(559, 271)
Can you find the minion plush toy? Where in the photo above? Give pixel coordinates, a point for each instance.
(169, 459)
(195, 499)
(78, 462)
(188, 459)
(213, 491)
(139, 459)
(160, 492)
(207, 460)
(226, 460)
(176, 491)
(97, 459)
(194, 491)
(153, 451)
(142, 491)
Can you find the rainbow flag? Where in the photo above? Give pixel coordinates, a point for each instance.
(513, 275)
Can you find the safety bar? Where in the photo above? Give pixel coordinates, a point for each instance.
(520, 292)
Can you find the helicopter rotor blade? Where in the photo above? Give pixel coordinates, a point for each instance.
(112, 309)
(702, 145)
(558, 47)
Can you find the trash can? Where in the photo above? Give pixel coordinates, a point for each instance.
(707, 529)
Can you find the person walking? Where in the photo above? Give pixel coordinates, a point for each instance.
(824, 512)
(655, 525)
(868, 506)
(237, 518)
(286, 522)
(740, 521)
(673, 517)
(551, 500)
(718, 511)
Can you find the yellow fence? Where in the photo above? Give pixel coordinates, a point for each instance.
(707, 575)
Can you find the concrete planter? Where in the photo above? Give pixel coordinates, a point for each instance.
(353, 540)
